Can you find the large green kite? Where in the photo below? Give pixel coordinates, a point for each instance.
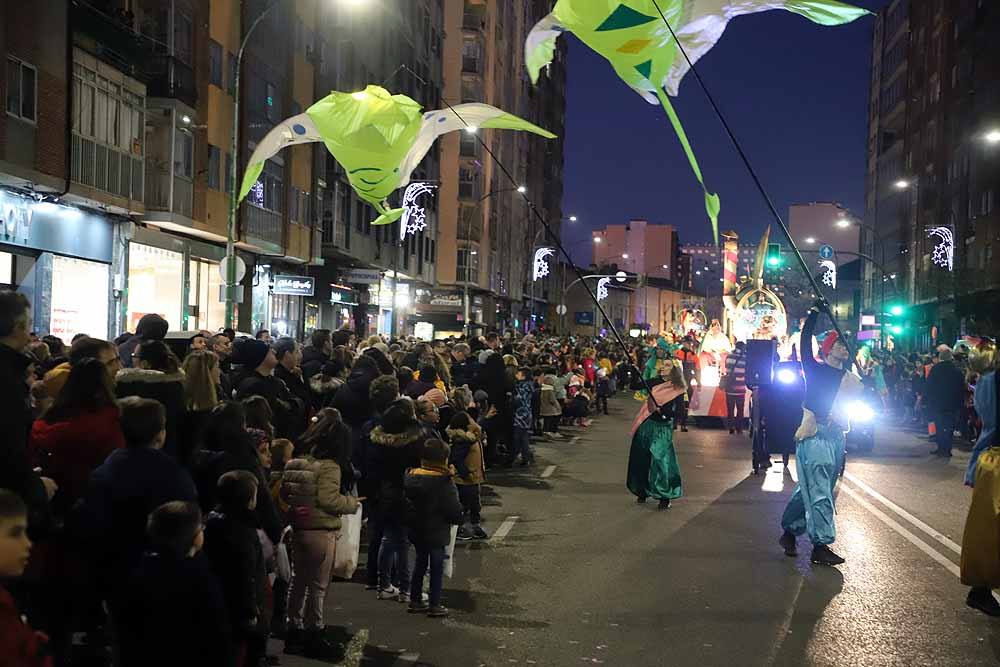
(631, 34)
(378, 138)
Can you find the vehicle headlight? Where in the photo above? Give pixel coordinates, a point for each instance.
(860, 412)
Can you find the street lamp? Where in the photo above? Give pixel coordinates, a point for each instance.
(902, 184)
(597, 239)
(810, 240)
(234, 186)
(992, 137)
(572, 218)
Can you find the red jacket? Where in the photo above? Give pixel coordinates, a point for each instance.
(589, 371)
(68, 451)
(20, 646)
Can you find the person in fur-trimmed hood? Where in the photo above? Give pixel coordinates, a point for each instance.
(157, 376)
(396, 446)
(466, 440)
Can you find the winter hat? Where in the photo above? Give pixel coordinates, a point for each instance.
(945, 354)
(250, 352)
(480, 396)
(828, 342)
(55, 379)
(435, 396)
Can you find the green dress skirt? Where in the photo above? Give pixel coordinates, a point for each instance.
(653, 471)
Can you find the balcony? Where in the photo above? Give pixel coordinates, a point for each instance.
(474, 18)
(263, 228)
(170, 78)
(104, 168)
(106, 33)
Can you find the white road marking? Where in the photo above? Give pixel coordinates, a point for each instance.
(548, 471)
(504, 529)
(902, 530)
(408, 658)
(903, 513)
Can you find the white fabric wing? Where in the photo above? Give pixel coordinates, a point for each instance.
(440, 122)
(295, 130)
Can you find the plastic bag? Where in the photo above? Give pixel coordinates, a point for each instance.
(345, 558)
(449, 554)
(283, 565)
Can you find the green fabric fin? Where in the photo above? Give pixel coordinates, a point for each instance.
(389, 217)
(622, 18)
(712, 203)
(507, 121)
(249, 178)
(826, 12)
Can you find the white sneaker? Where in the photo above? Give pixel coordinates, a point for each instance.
(390, 593)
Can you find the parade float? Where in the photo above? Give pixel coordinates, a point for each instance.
(751, 312)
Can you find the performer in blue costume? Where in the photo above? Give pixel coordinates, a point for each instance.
(653, 471)
(819, 449)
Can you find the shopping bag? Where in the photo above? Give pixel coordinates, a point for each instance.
(449, 554)
(345, 558)
(282, 563)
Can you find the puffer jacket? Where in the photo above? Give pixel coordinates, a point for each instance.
(311, 487)
(392, 455)
(467, 455)
(548, 405)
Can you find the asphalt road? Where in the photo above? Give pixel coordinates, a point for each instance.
(586, 576)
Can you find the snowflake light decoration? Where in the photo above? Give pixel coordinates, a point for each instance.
(602, 288)
(414, 217)
(944, 252)
(830, 277)
(541, 266)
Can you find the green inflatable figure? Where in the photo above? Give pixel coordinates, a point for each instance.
(378, 138)
(634, 38)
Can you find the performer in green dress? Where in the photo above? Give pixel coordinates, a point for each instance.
(653, 471)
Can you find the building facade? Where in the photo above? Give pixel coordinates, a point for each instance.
(934, 165)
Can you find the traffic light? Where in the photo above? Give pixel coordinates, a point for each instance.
(774, 255)
(896, 318)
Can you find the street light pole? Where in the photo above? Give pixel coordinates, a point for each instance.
(234, 187)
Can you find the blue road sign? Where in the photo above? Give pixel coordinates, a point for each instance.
(826, 252)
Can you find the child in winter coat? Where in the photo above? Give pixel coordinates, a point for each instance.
(466, 439)
(523, 398)
(434, 509)
(603, 390)
(19, 644)
(311, 485)
(548, 404)
(234, 552)
(173, 611)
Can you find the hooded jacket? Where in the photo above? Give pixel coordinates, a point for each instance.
(234, 552)
(548, 405)
(324, 388)
(392, 455)
(434, 505)
(313, 360)
(467, 455)
(311, 487)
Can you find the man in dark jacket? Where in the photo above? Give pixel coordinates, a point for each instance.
(16, 472)
(317, 353)
(289, 414)
(435, 509)
(150, 327)
(464, 367)
(126, 488)
(945, 397)
(289, 371)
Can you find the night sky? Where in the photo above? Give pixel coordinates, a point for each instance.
(796, 95)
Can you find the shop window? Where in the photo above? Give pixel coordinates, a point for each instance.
(155, 284)
(215, 63)
(214, 167)
(6, 269)
(205, 310)
(79, 298)
(21, 90)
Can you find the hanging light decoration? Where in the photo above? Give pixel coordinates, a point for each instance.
(541, 266)
(414, 217)
(944, 252)
(830, 277)
(602, 288)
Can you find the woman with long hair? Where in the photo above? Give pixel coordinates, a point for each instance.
(202, 377)
(156, 374)
(78, 432)
(653, 471)
(312, 485)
